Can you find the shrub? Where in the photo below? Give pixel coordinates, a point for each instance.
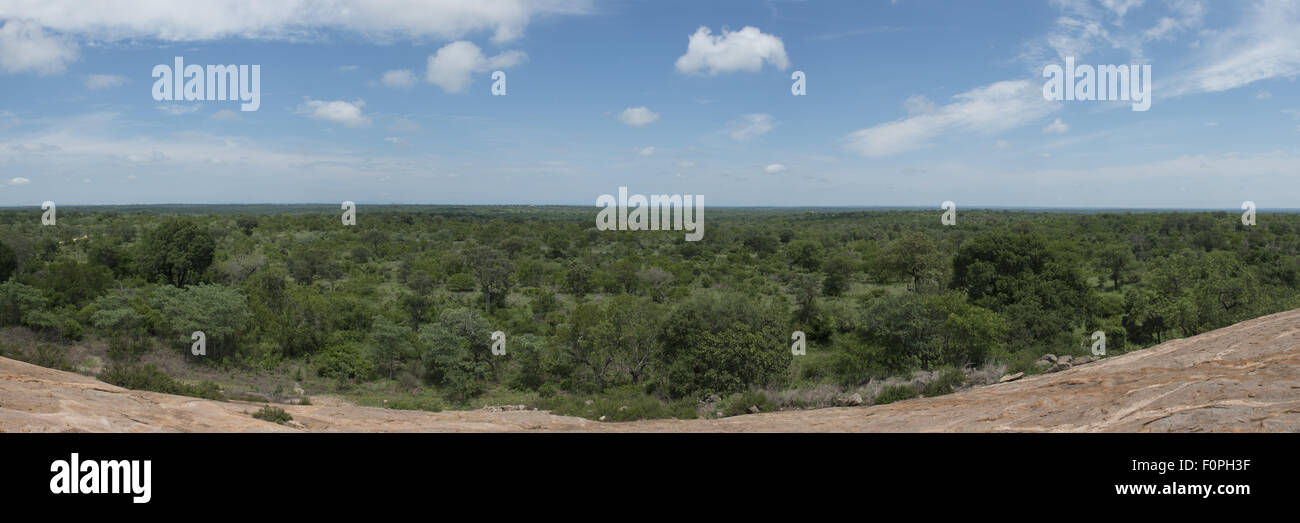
(460, 283)
(619, 404)
(739, 404)
(892, 393)
(273, 414)
(140, 377)
(343, 361)
(947, 381)
(149, 377)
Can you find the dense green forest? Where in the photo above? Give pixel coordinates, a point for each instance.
(399, 309)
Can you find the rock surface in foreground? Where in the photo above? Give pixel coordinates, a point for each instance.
(1245, 377)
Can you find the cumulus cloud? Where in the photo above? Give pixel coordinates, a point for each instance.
(401, 78)
(745, 50)
(450, 68)
(27, 48)
(991, 108)
(638, 116)
(19, 181)
(337, 111)
(215, 19)
(1056, 127)
(99, 82)
(750, 126)
(774, 168)
(646, 151)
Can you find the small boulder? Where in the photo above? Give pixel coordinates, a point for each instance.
(851, 400)
(753, 409)
(1011, 377)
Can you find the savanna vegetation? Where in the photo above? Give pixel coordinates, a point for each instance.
(399, 310)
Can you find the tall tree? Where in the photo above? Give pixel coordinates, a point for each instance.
(178, 251)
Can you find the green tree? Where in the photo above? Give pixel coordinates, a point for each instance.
(1116, 258)
(913, 257)
(492, 270)
(178, 252)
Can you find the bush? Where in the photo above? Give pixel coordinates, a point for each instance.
(892, 393)
(739, 404)
(618, 404)
(273, 414)
(947, 381)
(460, 283)
(149, 377)
(343, 361)
(46, 355)
(140, 377)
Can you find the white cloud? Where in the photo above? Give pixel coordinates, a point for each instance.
(19, 181)
(99, 82)
(337, 111)
(1088, 25)
(1001, 144)
(347, 68)
(1265, 45)
(646, 151)
(26, 48)
(751, 126)
(225, 114)
(638, 116)
(290, 20)
(744, 50)
(450, 68)
(401, 78)
(1056, 127)
(1263, 94)
(774, 168)
(992, 108)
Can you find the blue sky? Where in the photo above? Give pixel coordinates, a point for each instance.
(909, 102)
